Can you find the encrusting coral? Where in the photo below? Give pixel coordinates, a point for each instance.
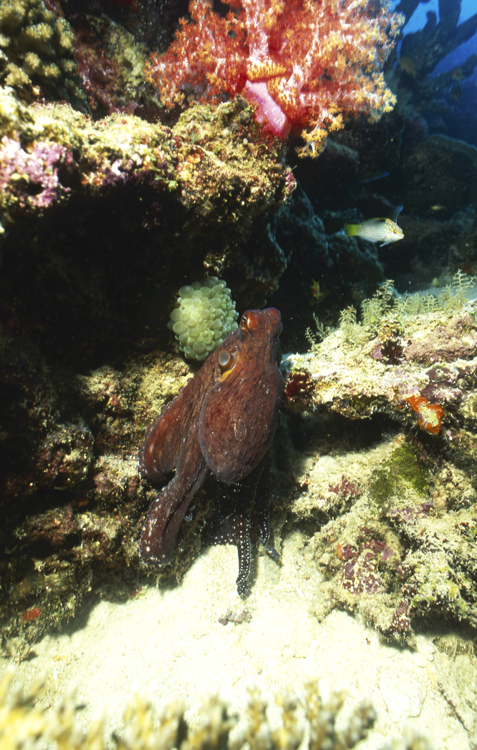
(37, 49)
(110, 65)
(47, 149)
(23, 722)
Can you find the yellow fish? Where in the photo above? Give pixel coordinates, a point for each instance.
(376, 230)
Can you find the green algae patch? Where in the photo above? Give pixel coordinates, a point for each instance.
(403, 474)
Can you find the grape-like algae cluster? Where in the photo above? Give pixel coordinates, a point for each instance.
(205, 317)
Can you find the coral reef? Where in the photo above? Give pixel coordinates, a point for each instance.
(287, 59)
(443, 170)
(95, 157)
(416, 362)
(103, 221)
(423, 49)
(95, 216)
(110, 65)
(204, 318)
(37, 49)
(397, 529)
(21, 720)
(424, 76)
(435, 178)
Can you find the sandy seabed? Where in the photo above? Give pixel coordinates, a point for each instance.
(170, 643)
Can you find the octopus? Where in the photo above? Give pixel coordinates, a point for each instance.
(221, 425)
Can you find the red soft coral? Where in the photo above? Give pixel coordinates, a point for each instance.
(303, 63)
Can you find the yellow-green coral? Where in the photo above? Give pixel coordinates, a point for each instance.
(23, 723)
(36, 49)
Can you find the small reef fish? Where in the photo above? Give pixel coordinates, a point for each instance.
(317, 294)
(407, 65)
(373, 179)
(315, 288)
(376, 230)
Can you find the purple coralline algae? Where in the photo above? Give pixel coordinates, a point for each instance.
(32, 179)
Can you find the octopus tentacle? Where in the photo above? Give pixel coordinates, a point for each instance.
(166, 514)
(244, 557)
(242, 519)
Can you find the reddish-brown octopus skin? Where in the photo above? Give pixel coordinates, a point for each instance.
(222, 422)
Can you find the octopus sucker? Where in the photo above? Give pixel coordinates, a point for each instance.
(221, 423)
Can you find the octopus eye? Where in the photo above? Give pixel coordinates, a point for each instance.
(226, 361)
(250, 321)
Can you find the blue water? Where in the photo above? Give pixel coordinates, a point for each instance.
(458, 56)
(467, 9)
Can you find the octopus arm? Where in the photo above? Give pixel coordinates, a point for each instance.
(168, 436)
(242, 519)
(168, 510)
